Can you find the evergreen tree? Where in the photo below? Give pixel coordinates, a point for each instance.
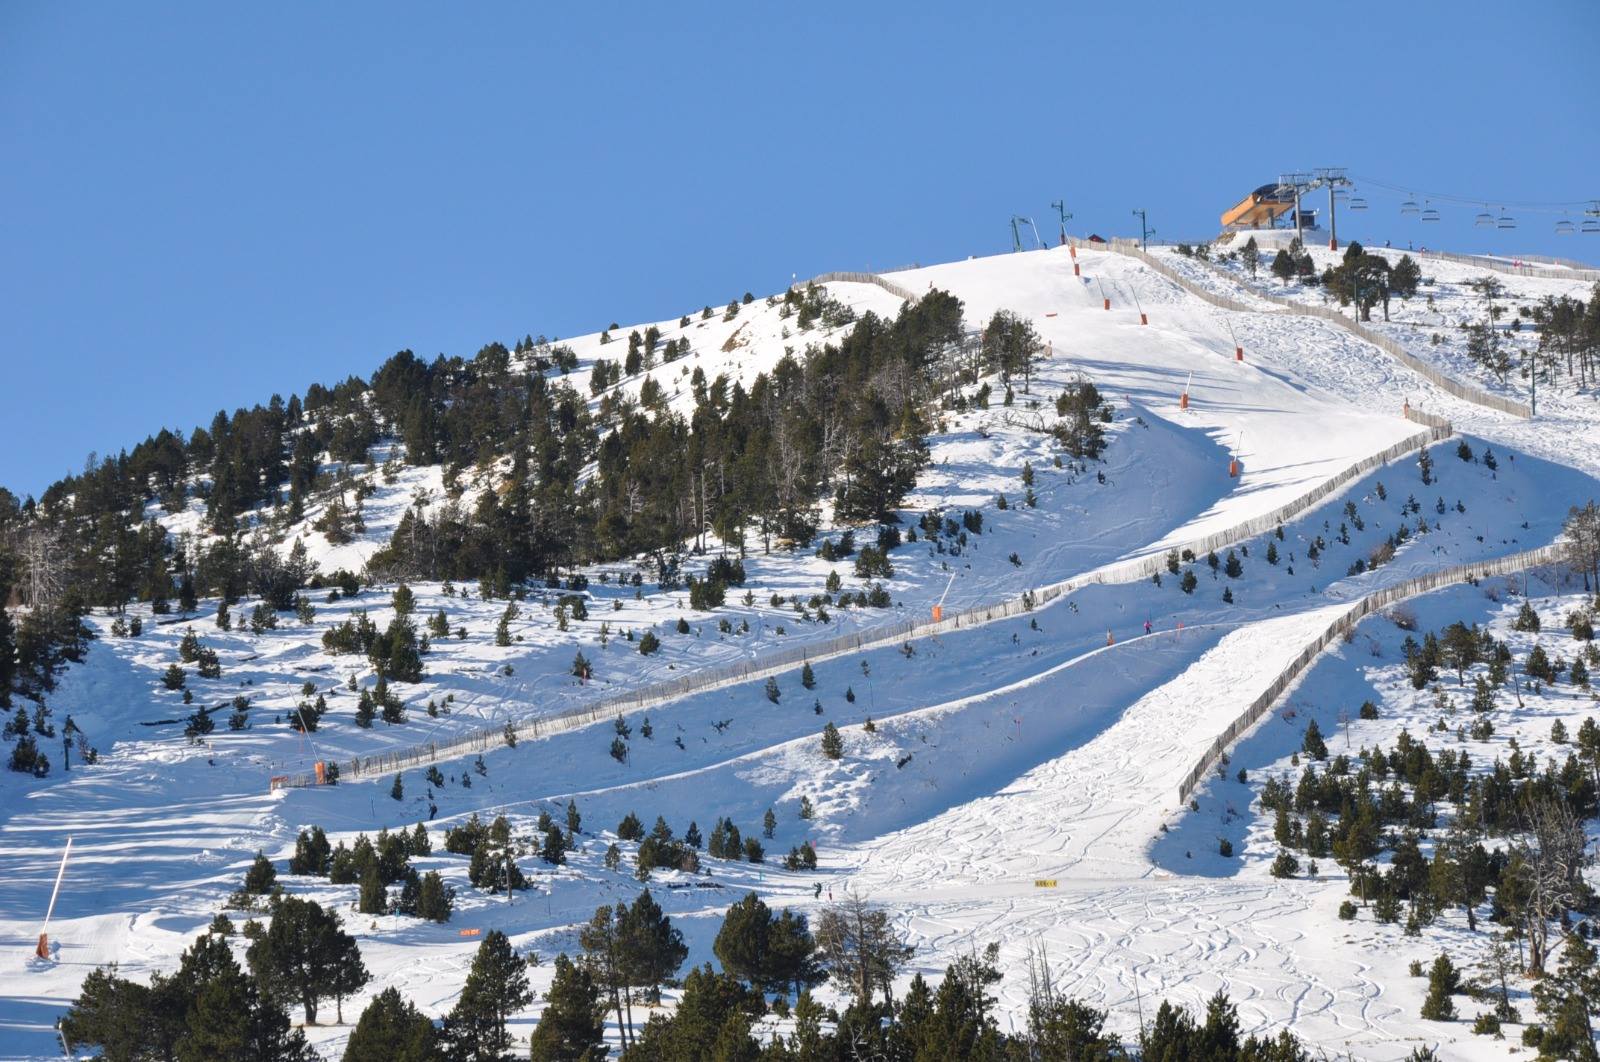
(391, 1029)
(1313, 745)
(650, 948)
(496, 989)
(311, 853)
(1250, 256)
(570, 1029)
(773, 953)
(262, 877)
(305, 956)
(1569, 1002)
(1283, 266)
(374, 896)
(365, 712)
(208, 1009)
(832, 742)
(435, 899)
(1443, 982)
(554, 850)
(808, 678)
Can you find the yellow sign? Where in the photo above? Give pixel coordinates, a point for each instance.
(1044, 883)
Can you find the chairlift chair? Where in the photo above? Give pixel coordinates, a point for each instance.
(1484, 220)
(1564, 228)
(1429, 214)
(1410, 207)
(1591, 225)
(1506, 221)
(1358, 203)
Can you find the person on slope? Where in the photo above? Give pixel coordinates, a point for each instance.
(1147, 626)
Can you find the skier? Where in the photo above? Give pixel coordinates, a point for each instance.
(1147, 626)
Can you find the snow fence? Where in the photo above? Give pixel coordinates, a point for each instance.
(1466, 392)
(897, 290)
(1346, 622)
(779, 660)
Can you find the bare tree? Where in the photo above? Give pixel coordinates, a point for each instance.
(1581, 546)
(1551, 855)
(45, 563)
(860, 948)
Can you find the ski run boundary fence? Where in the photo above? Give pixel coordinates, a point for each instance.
(1346, 622)
(772, 663)
(1449, 384)
(897, 290)
(1572, 270)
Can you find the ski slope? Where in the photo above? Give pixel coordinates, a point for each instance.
(997, 756)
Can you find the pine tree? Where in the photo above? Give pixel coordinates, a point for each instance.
(1233, 568)
(262, 877)
(650, 948)
(769, 824)
(311, 853)
(496, 989)
(772, 689)
(305, 956)
(832, 742)
(570, 1029)
(1313, 745)
(374, 897)
(554, 851)
(435, 899)
(397, 790)
(808, 678)
(391, 1029)
(1443, 982)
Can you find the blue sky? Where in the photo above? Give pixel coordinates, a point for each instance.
(206, 204)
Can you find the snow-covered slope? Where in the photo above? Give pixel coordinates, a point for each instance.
(975, 763)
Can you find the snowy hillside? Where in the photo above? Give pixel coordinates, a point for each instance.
(1013, 781)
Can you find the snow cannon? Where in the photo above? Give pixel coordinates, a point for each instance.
(1108, 303)
(321, 768)
(1144, 318)
(1183, 399)
(1111, 639)
(1238, 353)
(1233, 468)
(938, 613)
